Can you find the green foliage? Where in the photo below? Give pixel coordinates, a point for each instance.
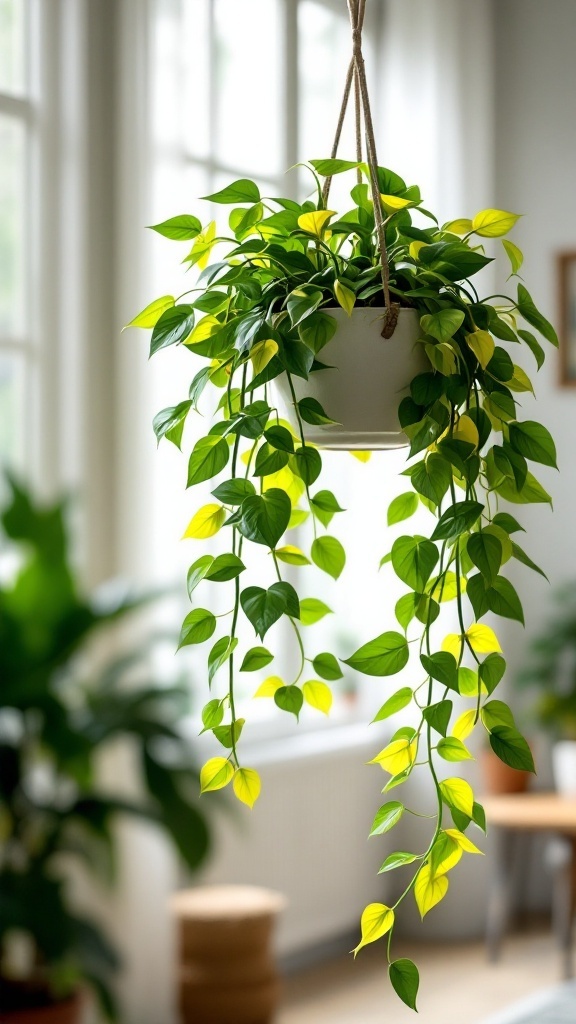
(62, 721)
(267, 306)
(550, 668)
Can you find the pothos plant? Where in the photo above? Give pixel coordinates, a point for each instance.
(262, 310)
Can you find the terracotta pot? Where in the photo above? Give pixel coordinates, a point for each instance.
(67, 1012)
(227, 972)
(367, 379)
(499, 777)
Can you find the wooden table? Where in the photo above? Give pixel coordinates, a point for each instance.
(512, 817)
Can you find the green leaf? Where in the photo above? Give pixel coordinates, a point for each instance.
(324, 506)
(528, 310)
(399, 700)
(197, 627)
(228, 735)
(326, 666)
(197, 572)
(181, 228)
(209, 457)
(198, 384)
(443, 667)
(452, 749)
(265, 517)
(457, 519)
(521, 556)
(256, 658)
(405, 981)
(386, 655)
(485, 551)
(224, 568)
(329, 167)
(292, 555)
(398, 860)
(312, 412)
(405, 609)
(219, 654)
(317, 330)
(491, 671)
(512, 748)
(264, 607)
(532, 493)
(453, 260)
(507, 522)
(280, 438)
(312, 610)
(388, 816)
(534, 346)
(269, 460)
(150, 315)
(169, 422)
(503, 600)
(289, 698)
(438, 716)
(301, 303)
(442, 325)
(307, 464)
(515, 255)
(241, 191)
(496, 713)
(233, 492)
(413, 560)
(329, 555)
(212, 714)
(173, 327)
(402, 507)
(432, 477)
(534, 442)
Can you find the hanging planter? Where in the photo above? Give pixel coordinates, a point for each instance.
(366, 379)
(262, 316)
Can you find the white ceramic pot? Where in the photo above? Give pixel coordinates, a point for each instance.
(368, 377)
(564, 767)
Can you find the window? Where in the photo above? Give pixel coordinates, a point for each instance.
(17, 351)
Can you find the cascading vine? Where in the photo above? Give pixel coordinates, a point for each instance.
(261, 311)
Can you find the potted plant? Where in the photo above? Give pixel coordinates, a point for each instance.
(552, 670)
(56, 717)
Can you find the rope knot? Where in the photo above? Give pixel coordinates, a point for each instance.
(390, 320)
(357, 41)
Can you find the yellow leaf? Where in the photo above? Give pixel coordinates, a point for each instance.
(262, 353)
(447, 589)
(458, 793)
(453, 644)
(397, 756)
(269, 686)
(377, 919)
(345, 296)
(203, 245)
(429, 890)
(464, 725)
(515, 255)
(318, 695)
(442, 357)
(466, 430)
(415, 249)
(464, 843)
(297, 517)
(292, 555)
(247, 785)
(286, 480)
(483, 639)
(150, 316)
(215, 774)
(494, 223)
(394, 203)
(459, 227)
(450, 856)
(362, 456)
(482, 345)
(520, 381)
(207, 521)
(204, 329)
(316, 221)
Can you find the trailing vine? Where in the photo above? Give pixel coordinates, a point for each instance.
(262, 310)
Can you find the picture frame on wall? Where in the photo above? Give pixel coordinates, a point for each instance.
(567, 317)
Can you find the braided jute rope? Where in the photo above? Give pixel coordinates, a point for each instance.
(357, 74)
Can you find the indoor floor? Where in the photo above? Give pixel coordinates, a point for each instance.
(348, 992)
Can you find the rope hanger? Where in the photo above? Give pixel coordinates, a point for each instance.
(357, 74)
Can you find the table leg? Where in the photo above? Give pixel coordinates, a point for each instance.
(501, 888)
(564, 897)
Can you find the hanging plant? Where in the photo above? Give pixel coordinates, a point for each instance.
(388, 295)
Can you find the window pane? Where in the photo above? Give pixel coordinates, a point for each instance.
(249, 119)
(12, 63)
(12, 421)
(12, 225)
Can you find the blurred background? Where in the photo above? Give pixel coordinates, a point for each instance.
(115, 114)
